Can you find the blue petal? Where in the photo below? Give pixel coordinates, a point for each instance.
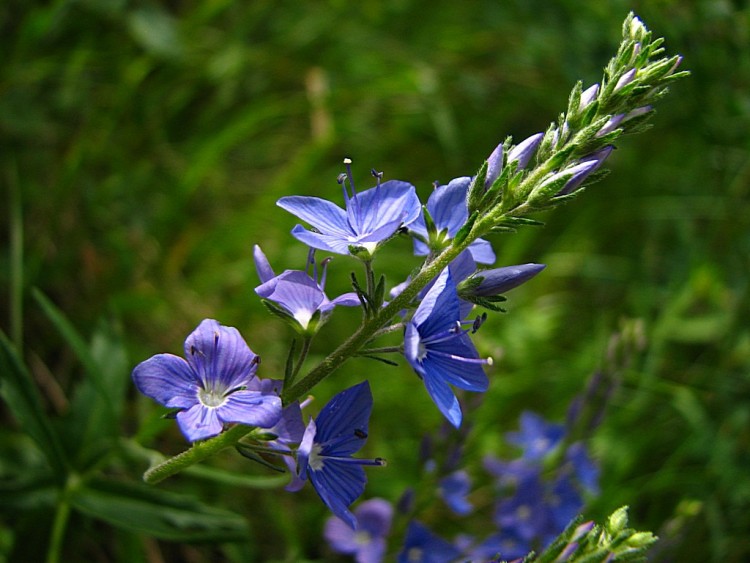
(411, 348)
(462, 374)
(447, 205)
(339, 484)
(305, 448)
(392, 203)
(296, 292)
(199, 423)
(439, 309)
(219, 354)
(481, 251)
(262, 265)
(339, 244)
(251, 408)
(168, 380)
(325, 216)
(442, 395)
(344, 420)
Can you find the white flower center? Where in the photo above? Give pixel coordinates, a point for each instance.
(316, 461)
(303, 318)
(211, 398)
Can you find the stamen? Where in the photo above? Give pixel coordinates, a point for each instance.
(348, 164)
(311, 262)
(487, 361)
(324, 271)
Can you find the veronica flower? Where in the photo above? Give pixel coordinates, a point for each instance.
(325, 453)
(367, 543)
(449, 211)
(299, 296)
(370, 217)
(537, 437)
(454, 489)
(215, 385)
(440, 351)
(422, 546)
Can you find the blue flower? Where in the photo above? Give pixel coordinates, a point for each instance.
(301, 298)
(422, 546)
(371, 216)
(537, 437)
(449, 211)
(453, 489)
(324, 455)
(368, 542)
(215, 386)
(524, 514)
(440, 351)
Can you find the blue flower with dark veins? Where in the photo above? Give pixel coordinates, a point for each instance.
(371, 216)
(440, 351)
(325, 453)
(449, 211)
(300, 296)
(215, 385)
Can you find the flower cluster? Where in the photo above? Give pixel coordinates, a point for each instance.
(538, 495)
(216, 396)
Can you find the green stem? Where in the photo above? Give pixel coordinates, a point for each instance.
(196, 454)
(60, 523)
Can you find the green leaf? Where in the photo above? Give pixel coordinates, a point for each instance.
(157, 513)
(22, 397)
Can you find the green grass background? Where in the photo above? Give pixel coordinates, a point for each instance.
(142, 148)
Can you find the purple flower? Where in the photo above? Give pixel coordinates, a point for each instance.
(367, 542)
(422, 546)
(584, 168)
(524, 150)
(215, 386)
(440, 351)
(327, 446)
(564, 503)
(525, 513)
(537, 437)
(449, 211)
(585, 470)
(453, 489)
(588, 96)
(301, 298)
(488, 283)
(494, 166)
(371, 216)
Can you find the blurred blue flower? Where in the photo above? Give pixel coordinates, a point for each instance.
(449, 210)
(324, 454)
(422, 546)
(440, 351)
(585, 471)
(214, 386)
(525, 513)
(298, 294)
(565, 503)
(454, 489)
(537, 436)
(371, 216)
(367, 543)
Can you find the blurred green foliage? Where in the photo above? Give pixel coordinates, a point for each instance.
(143, 145)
